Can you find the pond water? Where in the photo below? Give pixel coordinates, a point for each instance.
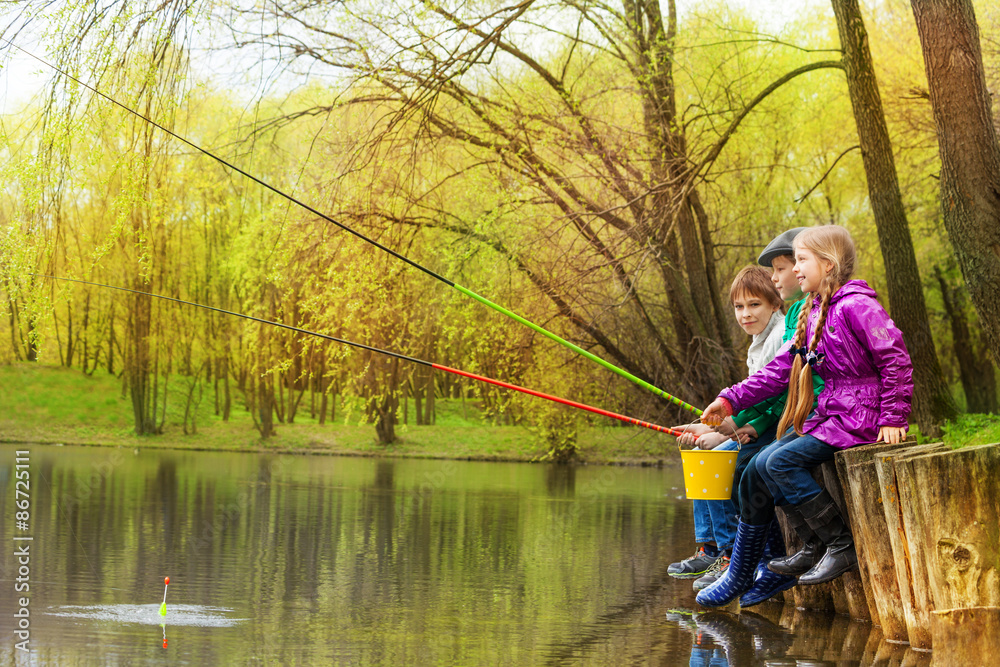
(310, 560)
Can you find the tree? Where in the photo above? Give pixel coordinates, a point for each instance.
(976, 373)
(554, 127)
(932, 401)
(969, 148)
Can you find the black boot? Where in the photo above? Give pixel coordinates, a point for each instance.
(824, 518)
(805, 558)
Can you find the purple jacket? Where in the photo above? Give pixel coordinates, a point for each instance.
(866, 368)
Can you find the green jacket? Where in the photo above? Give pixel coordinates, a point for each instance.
(768, 413)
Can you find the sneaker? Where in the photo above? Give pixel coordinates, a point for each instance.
(713, 574)
(695, 566)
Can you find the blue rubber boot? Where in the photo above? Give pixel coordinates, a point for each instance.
(767, 584)
(739, 575)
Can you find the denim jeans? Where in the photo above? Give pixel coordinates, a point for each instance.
(716, 520)
(786, 468)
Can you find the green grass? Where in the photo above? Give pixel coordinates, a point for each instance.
(972, 429)
(52, 404)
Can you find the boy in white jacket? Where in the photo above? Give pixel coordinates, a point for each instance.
(759, 310)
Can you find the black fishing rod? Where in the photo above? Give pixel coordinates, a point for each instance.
(579, 350)
(389, 353)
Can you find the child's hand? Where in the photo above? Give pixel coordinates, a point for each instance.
(697, 429)
(718, 410)
(710, 440)
(746, 434)
(687, 438)
(891, 434)
(727, 427)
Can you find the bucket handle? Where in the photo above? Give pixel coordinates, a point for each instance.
(736, 436)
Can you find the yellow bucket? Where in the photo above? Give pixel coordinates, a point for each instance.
(708, 474)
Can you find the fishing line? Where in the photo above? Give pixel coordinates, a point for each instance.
(396, 355)
(467, 292)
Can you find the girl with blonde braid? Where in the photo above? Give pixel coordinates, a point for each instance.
(847, 338)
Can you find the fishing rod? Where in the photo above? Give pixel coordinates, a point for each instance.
(396, 355)
(467, 292)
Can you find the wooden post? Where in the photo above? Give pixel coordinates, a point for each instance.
(860, 482)
(965, 636)
(954, 499)
(908, 553)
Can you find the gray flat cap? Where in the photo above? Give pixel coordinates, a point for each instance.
(781, 245)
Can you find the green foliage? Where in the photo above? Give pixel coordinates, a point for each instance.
(972, 429)
(557, 432)
(92, 192)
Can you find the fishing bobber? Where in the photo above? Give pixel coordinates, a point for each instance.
(163, 607)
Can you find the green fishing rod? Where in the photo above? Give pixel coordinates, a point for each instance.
(389, 353)
(467, 292)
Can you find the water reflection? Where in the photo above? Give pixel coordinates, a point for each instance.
(329, 560)
(780, 636)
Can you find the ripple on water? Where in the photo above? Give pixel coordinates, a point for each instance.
(149, 614)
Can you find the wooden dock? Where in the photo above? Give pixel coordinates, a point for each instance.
(926, 523)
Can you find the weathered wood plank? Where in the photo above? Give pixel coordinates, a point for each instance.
(911, 572)
(965, 636)
(863, 574)
(871, 540)
(954, 505)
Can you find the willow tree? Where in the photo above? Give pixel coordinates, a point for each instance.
(572, 110)
(594, 155)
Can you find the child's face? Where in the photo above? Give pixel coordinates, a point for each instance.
(753, 313)
(784, 279)
(810, 269)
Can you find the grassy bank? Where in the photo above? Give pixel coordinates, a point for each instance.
(52, 404)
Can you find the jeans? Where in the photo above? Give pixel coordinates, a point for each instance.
(780, 474)
(715, 520)
(786, 468)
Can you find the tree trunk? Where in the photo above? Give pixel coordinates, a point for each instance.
(265, 406)
(322, 408)
(227, 399)
(385, 423)
(69, 337)
(137, 362)
(977, 371)
(86, 335)
(111, 340)
(932, 402)
(970, 152)
(429, 396)
(418, 398)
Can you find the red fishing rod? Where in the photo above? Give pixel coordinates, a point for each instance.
(397, 355)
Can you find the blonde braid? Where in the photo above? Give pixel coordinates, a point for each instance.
(805, 395)
(787, 417)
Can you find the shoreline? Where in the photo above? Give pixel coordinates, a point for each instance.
(51, 405)
(404, 449)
